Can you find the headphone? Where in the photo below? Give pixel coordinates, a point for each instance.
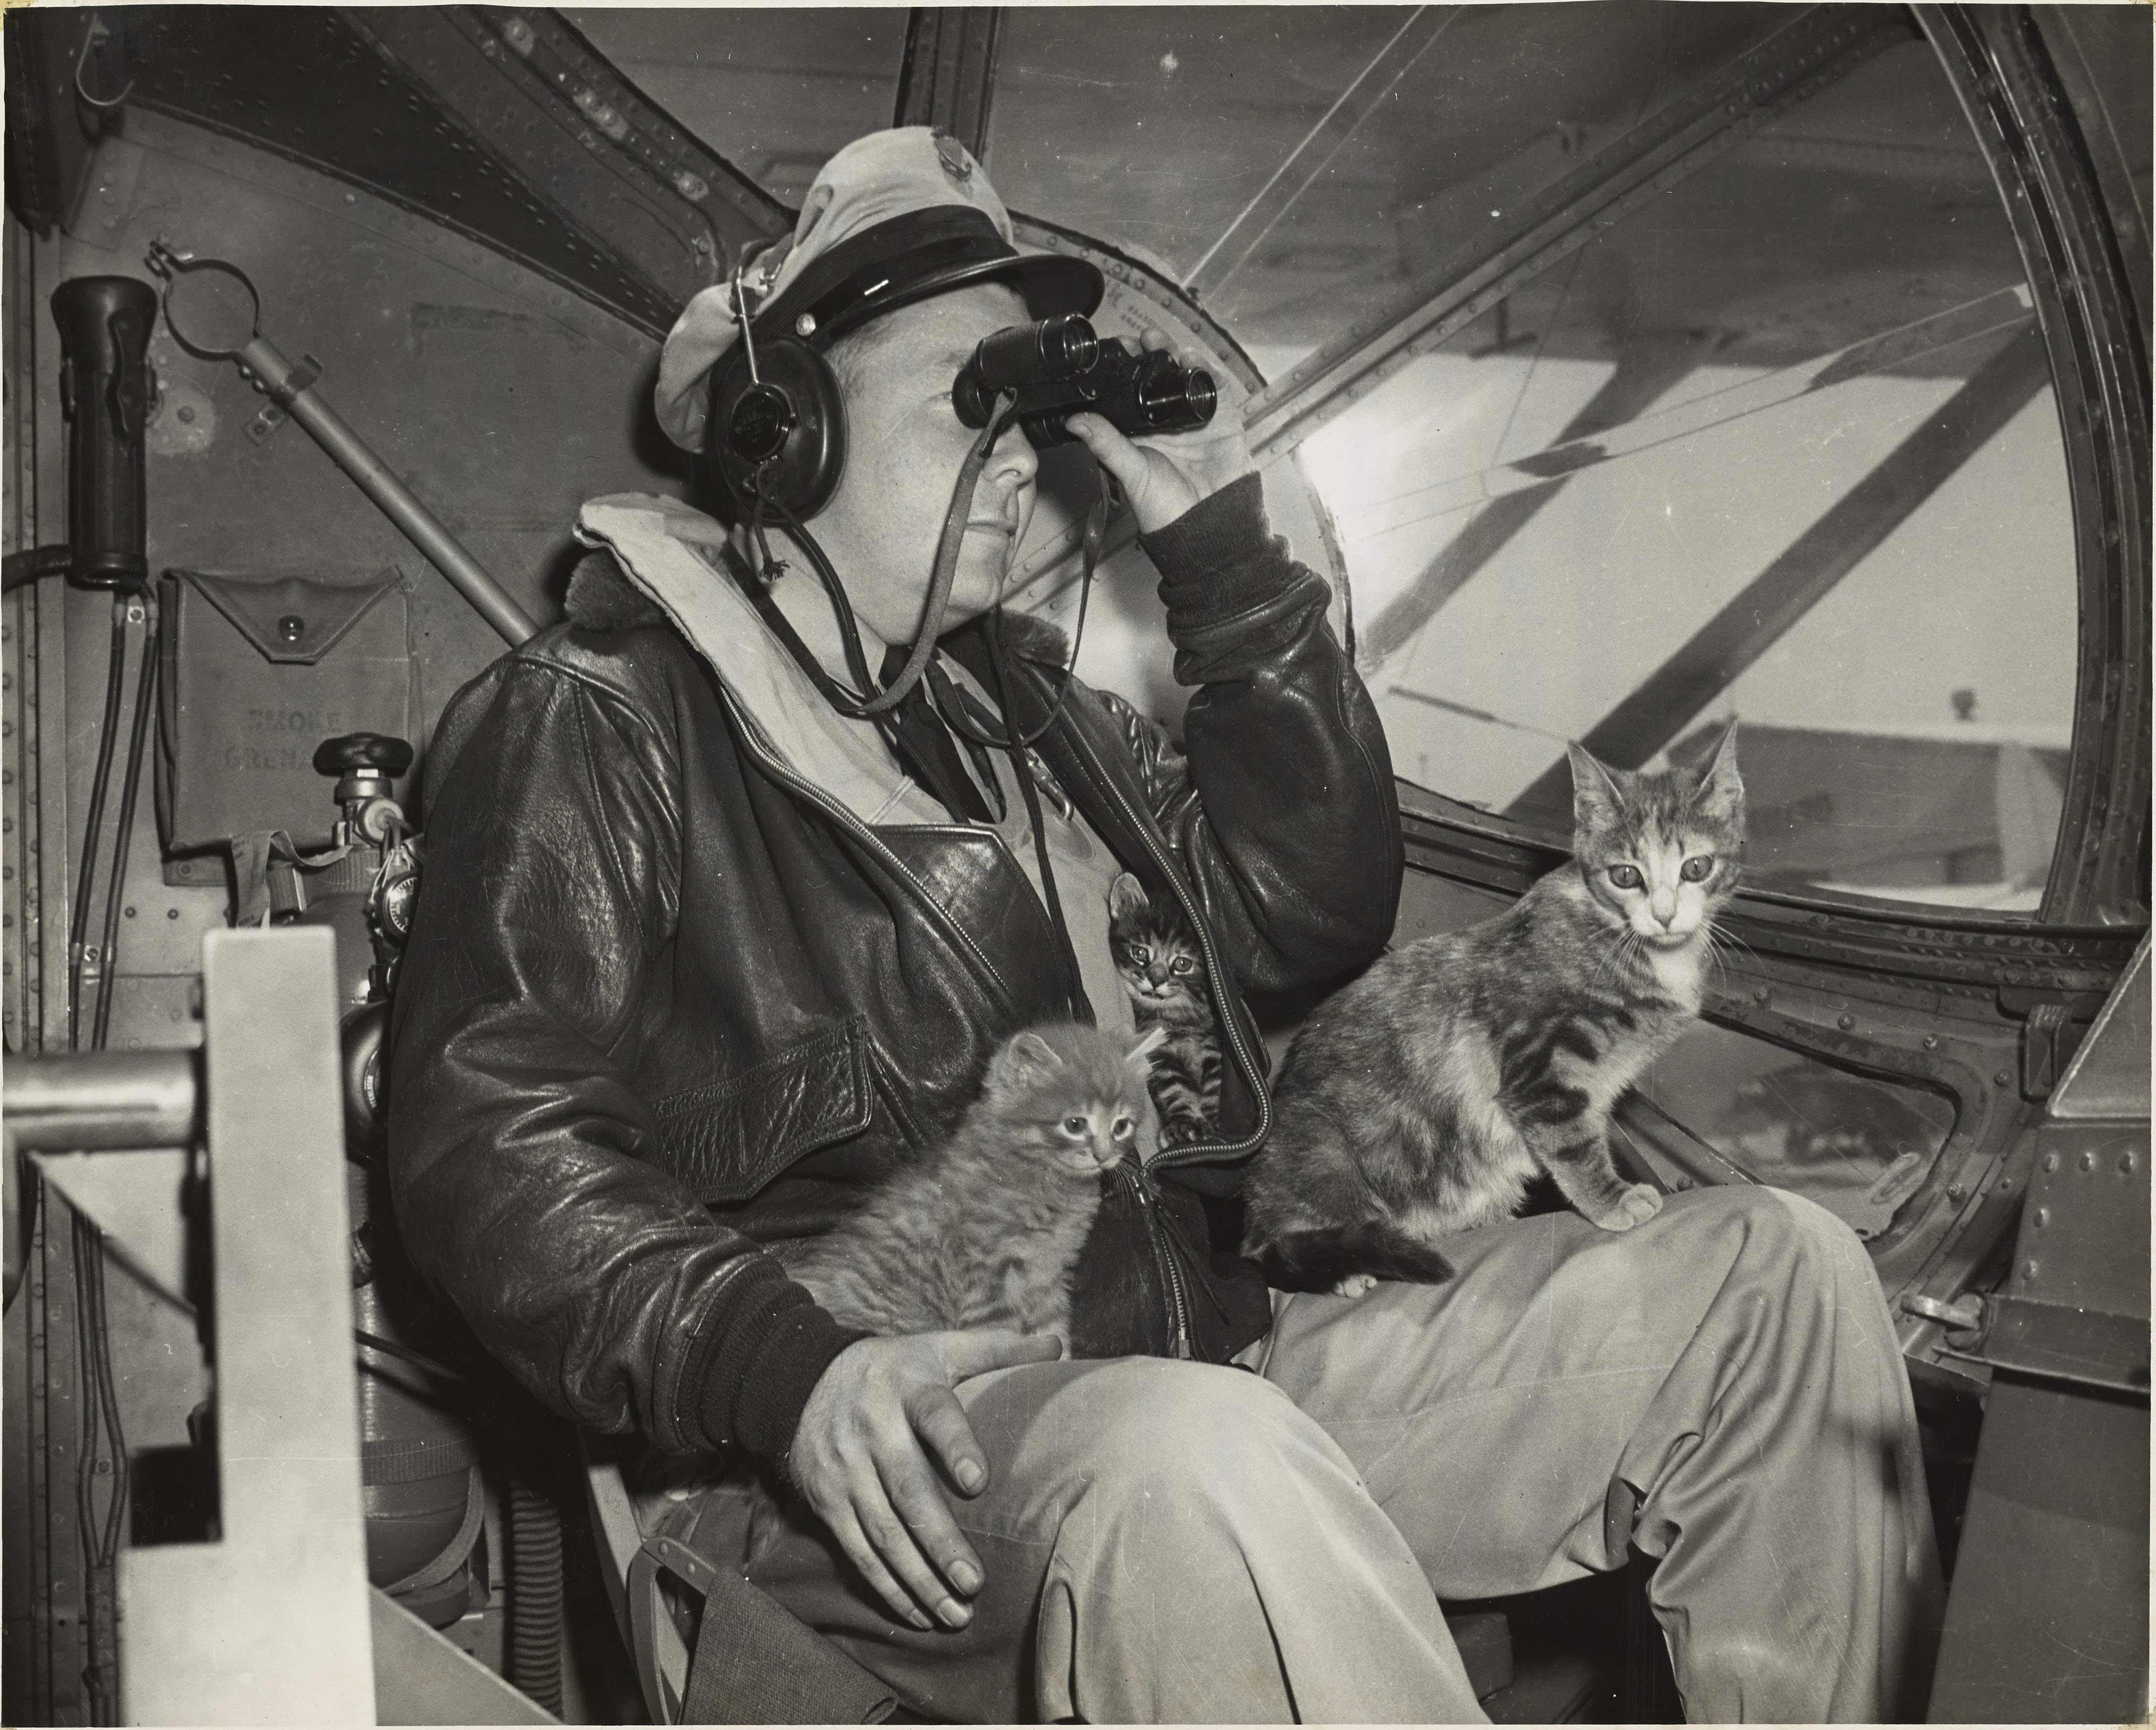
(778, 421)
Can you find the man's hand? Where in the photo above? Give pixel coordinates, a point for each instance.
(1163, 477)
(857, 1458)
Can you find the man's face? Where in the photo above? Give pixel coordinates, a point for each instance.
(904, 445)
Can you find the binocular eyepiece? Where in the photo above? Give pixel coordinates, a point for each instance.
(1058, 367)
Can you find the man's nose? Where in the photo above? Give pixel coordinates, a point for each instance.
(1013, 463)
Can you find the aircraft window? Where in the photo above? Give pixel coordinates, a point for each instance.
(774, 90)
(1779, 444)
(1720, 1107)
(1301, 169)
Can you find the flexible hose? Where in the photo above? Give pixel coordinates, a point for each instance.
(115, 890)
(534, 1592)
(101, 781)
(33, 563)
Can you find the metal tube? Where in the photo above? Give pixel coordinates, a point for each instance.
(374, 478)
(88, 1101)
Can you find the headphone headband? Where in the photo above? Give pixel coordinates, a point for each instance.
(896, 263)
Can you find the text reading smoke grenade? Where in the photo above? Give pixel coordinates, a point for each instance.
(1058, 367)
(104, 323)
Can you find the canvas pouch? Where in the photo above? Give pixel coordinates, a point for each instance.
(258, 671)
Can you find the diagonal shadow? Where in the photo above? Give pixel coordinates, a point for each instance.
(1646, 367)
(1768, 607)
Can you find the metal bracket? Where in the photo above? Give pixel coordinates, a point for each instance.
(274, 412)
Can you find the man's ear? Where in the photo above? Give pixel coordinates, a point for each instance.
(1593, 789)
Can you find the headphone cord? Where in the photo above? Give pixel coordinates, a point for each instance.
(851, 704)
(947, 559)
(975, 729)
(1081, 1006)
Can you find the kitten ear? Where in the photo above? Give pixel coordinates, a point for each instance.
(1720, 790)
(1025, 1058)
(1155, 1037)
(1593, 787)
(1127, 897)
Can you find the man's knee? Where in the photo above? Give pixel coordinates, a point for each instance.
(1203, 1432)
(1779, 1228)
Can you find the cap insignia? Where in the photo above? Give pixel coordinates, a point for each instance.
(957, 163)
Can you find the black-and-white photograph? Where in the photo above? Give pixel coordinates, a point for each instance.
(1119, 865)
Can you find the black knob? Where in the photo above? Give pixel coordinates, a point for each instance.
(350, 752)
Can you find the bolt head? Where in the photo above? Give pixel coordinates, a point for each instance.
(1955, 1192)
(1931, 1042)
(2028, 1269)
(2126, 1164)
(2050, 1161)
(1844, 1022)
(2004, 1078)
(2088, 1161)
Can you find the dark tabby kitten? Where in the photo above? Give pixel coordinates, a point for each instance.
(1422, 1099)
(1164, 975)
(985, 1231)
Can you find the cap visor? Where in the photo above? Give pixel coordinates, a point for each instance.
(1048, 284)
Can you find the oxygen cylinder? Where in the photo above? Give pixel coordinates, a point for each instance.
(422, 1493)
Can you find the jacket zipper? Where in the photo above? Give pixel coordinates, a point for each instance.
(1193, 1152)
(1178, 1300)
(1131, 1175)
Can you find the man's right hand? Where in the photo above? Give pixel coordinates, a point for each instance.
(858, 1459)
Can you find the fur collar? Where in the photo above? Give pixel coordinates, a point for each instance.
(601, 597)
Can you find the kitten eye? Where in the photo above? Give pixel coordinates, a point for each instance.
(1181, 964)
(1074, 1124)
(1140, 954)
(1124, 1129)
(1697, 869)
(1625, 876)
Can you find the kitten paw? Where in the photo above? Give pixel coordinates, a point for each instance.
(1638, 1205)
(1353, 1284)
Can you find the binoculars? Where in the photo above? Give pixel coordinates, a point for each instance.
(1058, 367)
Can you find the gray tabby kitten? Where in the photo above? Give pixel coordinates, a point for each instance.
(985, 1231)
(1421, 1100)
(1163, 975)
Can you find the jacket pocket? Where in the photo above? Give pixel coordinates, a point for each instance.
(727, 1140)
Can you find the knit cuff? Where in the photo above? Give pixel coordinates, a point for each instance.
(1220, 559)
(748, 1379)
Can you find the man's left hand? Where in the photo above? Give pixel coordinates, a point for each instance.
(1164, 476)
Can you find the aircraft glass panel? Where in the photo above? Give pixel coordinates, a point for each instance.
(1719, 1107)
(1303, 169)
(1779, 445)
(774, 90)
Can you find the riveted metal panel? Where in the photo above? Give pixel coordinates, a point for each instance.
(2048, 1622)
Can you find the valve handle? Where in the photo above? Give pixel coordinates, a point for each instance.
(351, 751)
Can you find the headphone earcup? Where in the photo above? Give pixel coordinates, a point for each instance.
(784, 433)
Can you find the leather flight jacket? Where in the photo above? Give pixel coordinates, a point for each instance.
(666, 1000)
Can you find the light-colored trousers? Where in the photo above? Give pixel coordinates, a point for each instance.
(1169, 1541)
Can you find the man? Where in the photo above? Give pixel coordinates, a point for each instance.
(701, 957)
